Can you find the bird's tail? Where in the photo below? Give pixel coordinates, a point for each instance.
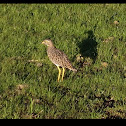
(74, 70)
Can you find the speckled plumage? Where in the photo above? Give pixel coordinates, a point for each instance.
(58, 57)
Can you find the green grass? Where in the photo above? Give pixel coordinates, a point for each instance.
(94, 44)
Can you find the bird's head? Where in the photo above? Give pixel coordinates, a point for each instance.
(47, 42)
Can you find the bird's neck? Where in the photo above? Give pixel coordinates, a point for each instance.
(51, 46)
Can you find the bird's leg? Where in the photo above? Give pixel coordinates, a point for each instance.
(59, 73)
(63, 73)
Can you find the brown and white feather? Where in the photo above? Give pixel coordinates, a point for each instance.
(59, 58)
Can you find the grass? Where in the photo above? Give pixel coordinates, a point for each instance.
(94, 38)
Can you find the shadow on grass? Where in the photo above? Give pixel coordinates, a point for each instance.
(88, 47)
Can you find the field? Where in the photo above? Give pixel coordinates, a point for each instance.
(93, 36)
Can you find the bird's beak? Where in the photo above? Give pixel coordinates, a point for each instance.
(43, 42)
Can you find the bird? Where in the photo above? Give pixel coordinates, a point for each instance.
(58, 57)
